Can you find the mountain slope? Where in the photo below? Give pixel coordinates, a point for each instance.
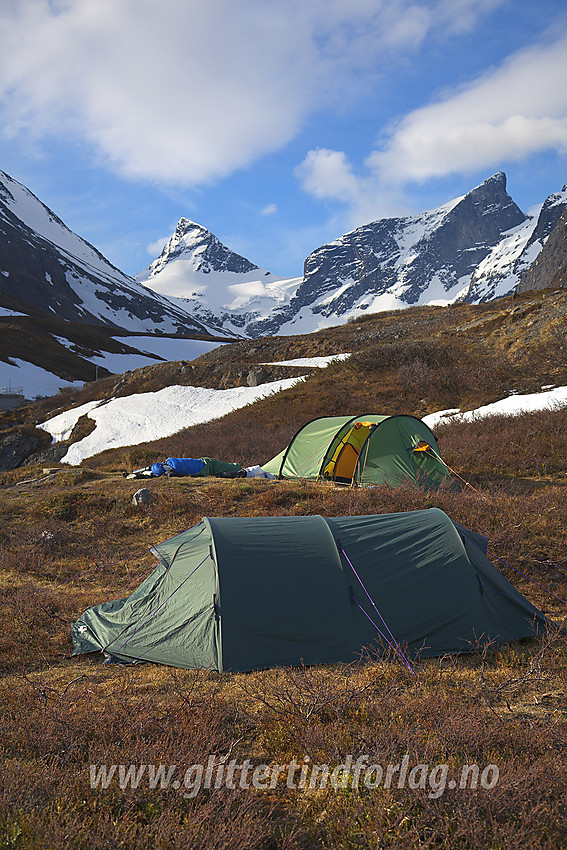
(216, 284)
(419, 361)
(550, 266)
(45, 264)
(506, 268)
(41, 353)
(414, 260)
(473, 248)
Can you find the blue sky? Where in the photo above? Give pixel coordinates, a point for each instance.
(277, 124)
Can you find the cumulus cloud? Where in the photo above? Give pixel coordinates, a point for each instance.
(507, 114)
(188, 91)
(460, 16)
(328, 174)
(269, 209)
(154, 249)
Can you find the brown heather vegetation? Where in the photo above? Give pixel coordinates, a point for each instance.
(73, 539)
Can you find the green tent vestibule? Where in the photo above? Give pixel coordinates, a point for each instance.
(239, 594)
(363, 450)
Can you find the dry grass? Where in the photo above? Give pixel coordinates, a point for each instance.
(77, 540)
(74, 539)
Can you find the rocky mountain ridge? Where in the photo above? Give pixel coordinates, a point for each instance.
(218, 286)
(550, 266)
(474, 248)
(505, 268)
(207, 252)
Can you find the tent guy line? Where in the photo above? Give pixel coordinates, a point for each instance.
(396, 644)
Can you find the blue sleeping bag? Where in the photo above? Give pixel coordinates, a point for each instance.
(185, 465)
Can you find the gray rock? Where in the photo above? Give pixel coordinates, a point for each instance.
(255, 377)
(51, 455)
(142, 497)
(15, 448)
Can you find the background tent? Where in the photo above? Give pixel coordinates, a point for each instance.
(365, 449)
(255, 592)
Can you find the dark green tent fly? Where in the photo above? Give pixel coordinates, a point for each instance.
(255, 592)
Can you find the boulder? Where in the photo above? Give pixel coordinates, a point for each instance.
(142, 497)
(256, 377)
(16, 446)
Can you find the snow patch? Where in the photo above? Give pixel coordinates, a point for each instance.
(4, 311)
(512, 405)
(167, 349)
(34, 380)
(145, 417)
(319, 362)
(61, 426)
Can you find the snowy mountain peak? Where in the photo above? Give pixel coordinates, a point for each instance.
(191, 234)
(200, 250)
(556, 199)
(473, 248)
(215, 283)
(497, 204)
(506, 265)
(419, 259)
(187, 223)
(18, 203)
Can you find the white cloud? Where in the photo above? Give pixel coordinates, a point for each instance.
(155, 248)
(507, 114)
(328, 174)
(460, 16)
(187, 91)
(269, 209)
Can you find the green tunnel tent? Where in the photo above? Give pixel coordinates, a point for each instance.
(239, 594)
(363, 450)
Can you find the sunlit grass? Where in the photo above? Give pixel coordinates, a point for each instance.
(77, 540)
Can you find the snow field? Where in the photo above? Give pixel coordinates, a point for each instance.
(144, 417)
